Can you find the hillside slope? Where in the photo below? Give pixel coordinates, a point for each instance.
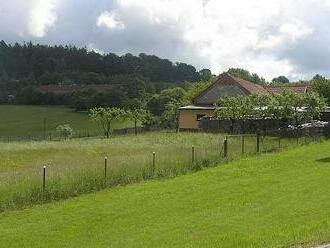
(267, 201)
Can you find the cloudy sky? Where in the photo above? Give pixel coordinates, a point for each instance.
(273, 37)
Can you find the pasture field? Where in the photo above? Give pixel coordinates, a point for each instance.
(77, 166)
(23, 121)
(272, 200)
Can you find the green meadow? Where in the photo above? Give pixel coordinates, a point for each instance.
(77, 166)
(271, 200)
(23, 121)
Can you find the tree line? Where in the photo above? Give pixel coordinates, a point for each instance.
(296, 108)
(68, 64)
(23, 67)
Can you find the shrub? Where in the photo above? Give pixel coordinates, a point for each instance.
(65, 130)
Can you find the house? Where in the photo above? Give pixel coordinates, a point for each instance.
(226, 85)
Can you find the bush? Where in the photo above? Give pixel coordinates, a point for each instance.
(65, 130)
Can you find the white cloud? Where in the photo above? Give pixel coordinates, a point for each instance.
(109, 20)
(287, 33)
(42, 16)
(226, 34)
(28, 18)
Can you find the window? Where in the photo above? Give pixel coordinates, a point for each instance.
(199, 117)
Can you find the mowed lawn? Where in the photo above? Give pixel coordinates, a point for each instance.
(274, 200)
(22, 120)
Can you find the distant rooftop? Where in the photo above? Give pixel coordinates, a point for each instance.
(299, 89)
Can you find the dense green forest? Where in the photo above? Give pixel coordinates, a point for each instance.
(68, 64)
(25, 66)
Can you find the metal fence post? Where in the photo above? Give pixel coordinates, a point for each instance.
(153, 162)
(225, 148)
(192, 153)
(243, 144)
(105, 166)
(44, 178)
(258, 143)
(279, 142)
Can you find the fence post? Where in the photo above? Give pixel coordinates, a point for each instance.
(279, 142)
(192, 154)
(44, 178)
(45, 120)
(225, 148)
(243, 144)
(258, 143)
(105, 166)
(153, 162)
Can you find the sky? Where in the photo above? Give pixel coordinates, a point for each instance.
(271, 38)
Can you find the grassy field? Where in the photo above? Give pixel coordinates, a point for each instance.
(76, 166)
(273, 200)
(23, 121)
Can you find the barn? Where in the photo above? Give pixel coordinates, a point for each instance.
(226, 85)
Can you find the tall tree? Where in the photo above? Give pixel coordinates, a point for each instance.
(280, 80)
(322, 86)
(245, 74)
(205, 75)
(138, 115)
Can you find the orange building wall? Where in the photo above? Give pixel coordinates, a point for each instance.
(188, 118)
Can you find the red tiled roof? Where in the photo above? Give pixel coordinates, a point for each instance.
(61, 89)
(227, 79)
(252, 88)
(299, 89)
(246, 87)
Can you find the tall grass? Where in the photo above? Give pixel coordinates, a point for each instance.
(75, 167)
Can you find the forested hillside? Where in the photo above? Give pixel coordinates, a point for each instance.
(69, 64)
(25, 66)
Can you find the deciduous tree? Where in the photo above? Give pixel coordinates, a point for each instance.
(106, 116)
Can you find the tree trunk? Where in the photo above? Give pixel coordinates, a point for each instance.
(242, 123)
